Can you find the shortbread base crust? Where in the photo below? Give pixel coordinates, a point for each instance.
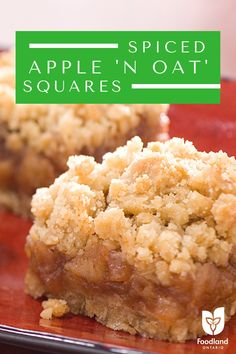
(112, 312)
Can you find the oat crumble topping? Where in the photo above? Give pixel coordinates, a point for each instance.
(168, 207)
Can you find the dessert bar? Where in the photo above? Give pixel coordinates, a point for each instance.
(142, 242)
(36, 140)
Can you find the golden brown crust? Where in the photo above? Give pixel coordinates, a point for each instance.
(152, 226)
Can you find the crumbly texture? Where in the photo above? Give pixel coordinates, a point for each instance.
(36, 140)
(54, 308)
(143, 241)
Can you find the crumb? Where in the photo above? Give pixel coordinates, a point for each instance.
(54, 308)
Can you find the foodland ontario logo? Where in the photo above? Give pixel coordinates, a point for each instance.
(213, 323)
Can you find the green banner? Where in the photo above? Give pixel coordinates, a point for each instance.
(118, 67)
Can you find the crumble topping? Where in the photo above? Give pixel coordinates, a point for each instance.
(167, 207)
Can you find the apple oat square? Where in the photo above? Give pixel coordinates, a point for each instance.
(143, 241)
(36, 140)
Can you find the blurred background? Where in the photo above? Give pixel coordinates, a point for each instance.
(124, 15)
